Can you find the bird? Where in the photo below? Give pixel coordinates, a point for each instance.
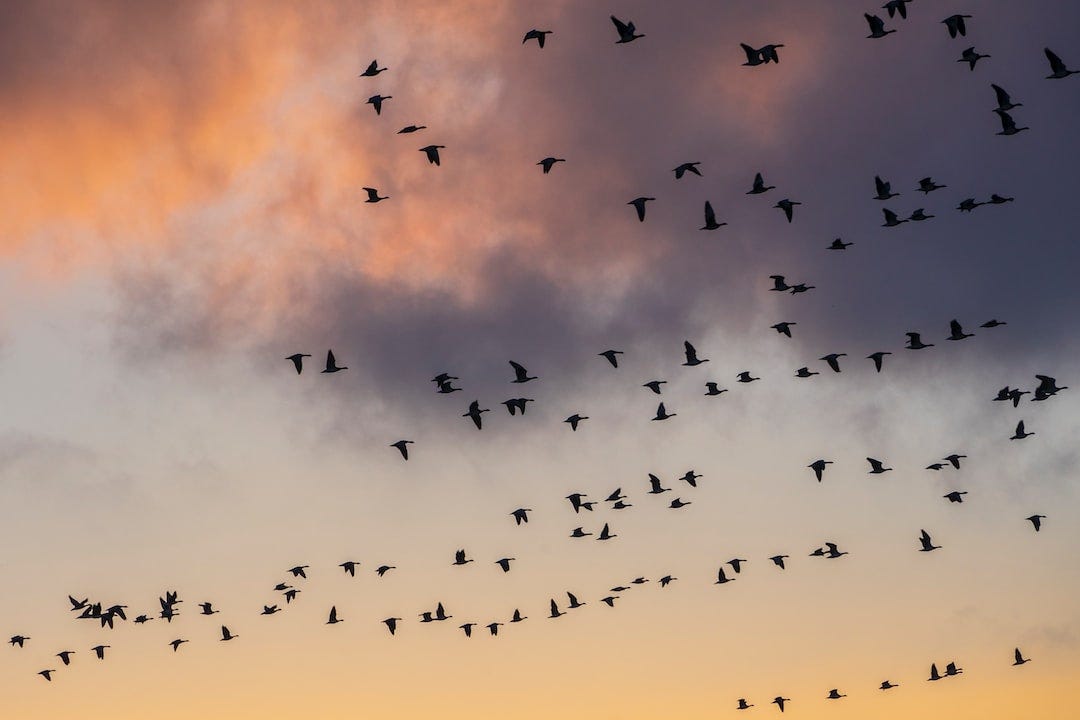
(521, 515)
(576, 502)
(933, 673)
(743, 705)
(956, 332)
(690, 478)
(654, 385)
(955, 25)
(432, 152)
(655, 486)
(1020, 434)
(884, 189)
(839, 244)
(833, 552)
(970, 56)
(954, 459)
(1047, 388)
(47, 674)
(1057, 67)
(80, 604)
(721, 578)
(759, 186)
(833, 359)
(818, 466)
(467, 627)
(1004, 102)
(504, 563)
(493, 627)
(886, 685)
(745, 377)
(615, 496)
(784, 328)
(891, 218)
(376, 101)
(736, 564)
(99, 651)
(207, 609)
(877, 26)
(605, 534)
(391, 624)
(440, 613)
(290, 595)
(573, 601)
(514, 405)
(662, 413)
(712, 389)
(805, 372)
(691, 355)
(574, 420)
(679, 503)
(778, 560)
(667, 580)
(996, 199)
(968, 204)
(537, 35)
(403, 447)
(270, 610)
(686, 167)
(518, 617)
(926, 542)
(1035, 520)
(919, 215)
(956, 496)
(779, 702)
(373, 69)
(548, 162)
(915, 342)
(627, 31)
(333, 619)
(897, 6)
(411, 129)
(579, 532)
(1019, 658)
(474, 413)
(710, 218)
(298, 362)
(373, 195)
(349, 566)
(609, 600)
(779, 284)
(555, 612)
(331, 363)
(459, 558)
(639, 205)
(18, 640)
(1008, 125)
(951, 670)
(383, 569)
(788, 206)
(877, 358)
(927, 185)
(65, 656)
(876, 466)
(935, 466)
(612, 356)
(801, 288)
(298, 571)
(753, 56)
(177, 643)
(768, 52)
(835, 694)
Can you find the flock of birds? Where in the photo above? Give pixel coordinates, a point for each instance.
(108, 614)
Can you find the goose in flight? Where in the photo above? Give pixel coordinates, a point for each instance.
(690, 478)
(778, 560)
(801, 288)
(1008, 125)
(411, 129)
(609, 600)
(954, 459)
(349, 566)
(968, 204)
(537, 35)
(956, 331)
(784, 328)
(691, 355)
(897, 6)
(333, 619)
(877, 467)
(493, 627)
(518, 617)
(891, 218)
(654, 485)
(835, 694)
(667, 580)
(759, 186)
(627, 31)
(956, 496)
(403, 447)
(373, 195)
(639, 205)
(743, 705)
(555, 612)
(788, 206)
(679, 503)
(440, 613)
(1035, 520)
(474, 413)
(686, 167)
(376, 101)
(996, 199)
(574, 420)
(521, 515)
(207, 609)
(1019, 659)
(432, 152)
(391, 624)
(753, 57)
(298, 362)
(611, 356)
(548, 162)
(915, 342)
(779, 284)
(615, 496)
(779, 702)
(955, 25)
(832, 552)
(270, 610)
(662, 412)
(383, 569)
(839, 244)
(919, 215)
(818, 466)
(1047, 388)
(884, 189)
(886, 685)
(47, 674)
(877, 26)
(1020, 433)
(576, 502)
(833, 359)
(713, 389)
(504, 563)
(605, 534)
(1057, 67)
(467, 627)
(579, 532)
(99, 650)
(80, 604)
(177, 643)
(736, 564)
(745, 377)
(805, 372)
(459, 558)
(769, 54)
(721, 578)
(926, 542)
(573, 600)
(1004, 102)
(934, 675)
(65, 656)
(927, 185)
(971, 56)
(710, 218)
(515, 405)
(951, 670)
(373, 69)
(654, 385)
(331, 363)
(298, 571)
(18, 640)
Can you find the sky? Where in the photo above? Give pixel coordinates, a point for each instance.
(181, 208)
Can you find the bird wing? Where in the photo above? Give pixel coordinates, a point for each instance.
(330, 362)
(622, 27)
(1055, 62)
(519, 371)
(710, 216)
(876, 23)
(691, 352)
(751, 56)
(954, 326)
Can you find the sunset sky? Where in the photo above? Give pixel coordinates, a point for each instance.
(181, 207)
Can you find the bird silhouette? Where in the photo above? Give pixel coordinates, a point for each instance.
(662, 413)
(391, 624)
(537, 35)
(818, 466)
(298, 362)
(805, 372)
(956, 332)
(579, 532)
(411, 129)
(383, 569)
(897, 6)
(915, 342)
(373, 69)
(877, 26)
(970, 56)
(968, 204)
(743, 705)
(679, 503)
(493, 628)
(778, 560)
(47, 674)
(1008, 125)
(373, 195)
(956, 496)
(951, 670)
(687, 167)
(691, 355)
(1035, 520)
(654, 385)
(833, 359)
(746, 377)
(403, 447)
(298, 571)
(779, 702)
(788, 206)
(690, 478)
(177, 643)
(926, 542)
(712, 389)
(521, 515)
(555, 612)
(1004, 102)
(518, 617)
(65, 656)
(460, 559)
(759, 186)
(549, 162)
(655, 486)
(639, 205)
(839, 244)
(886, 685)
(611, 356)
(784, 328)
(955, 25)
(18, 640)
(934, 675)
(1057, 67)
(884, 189)
(736, 564)
(835, 694)
(891, 218)
(376, 101)
(574, 420)
(1020, 434)
(99, 651)
(927, 185)
(1019, 659)
(721, 578)
(467, 627)
(710, 218)
(667, 580)
(474, 413)
(919, 215)
(333, 619)
(331, 363)
(349, 566)
(627, 31)
(876, 466)
(504, 563)
(432, 152)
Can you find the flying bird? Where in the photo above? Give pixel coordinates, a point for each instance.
(376, 101)
(971, 56)
(818, 466)
(662, 413)
(432, 152)
(373, 69)
(833, 359)
(548, 162)
(1020, 434)
(47, 674)
(1004, 102)
(65, 656)
(876, 466)
(745, 377)
(474, 413)
(877, 26)
(778, 560)
(884, 189)
(915, 342)
(403, 447)
(1057, 67)
(926, 542)
(891, 218)
(710, 218)
(298, 362)
(654, 385)
(1035, 520)
(927, 185)
(779, 702)
(805, 372)
(897, 6)
(627, 31)
(411, 129)
(956, 332)
(788, 206)
(391, 624)
(691, 355)
(955, 25)
(1019, 659)
(611, 356)
(574, 420)
(459, 558)
(839, 244)
(639, 205)
(520, 515)
(177, 643)
(712, 389)
(686, 167)
(956, 496)
(331, 363)
(784, 328)
(759, 186)
(537, 35)
(1008, 125)
(504, 563)
(383, 569)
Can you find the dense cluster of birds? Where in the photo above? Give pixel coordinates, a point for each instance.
(108, 614)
